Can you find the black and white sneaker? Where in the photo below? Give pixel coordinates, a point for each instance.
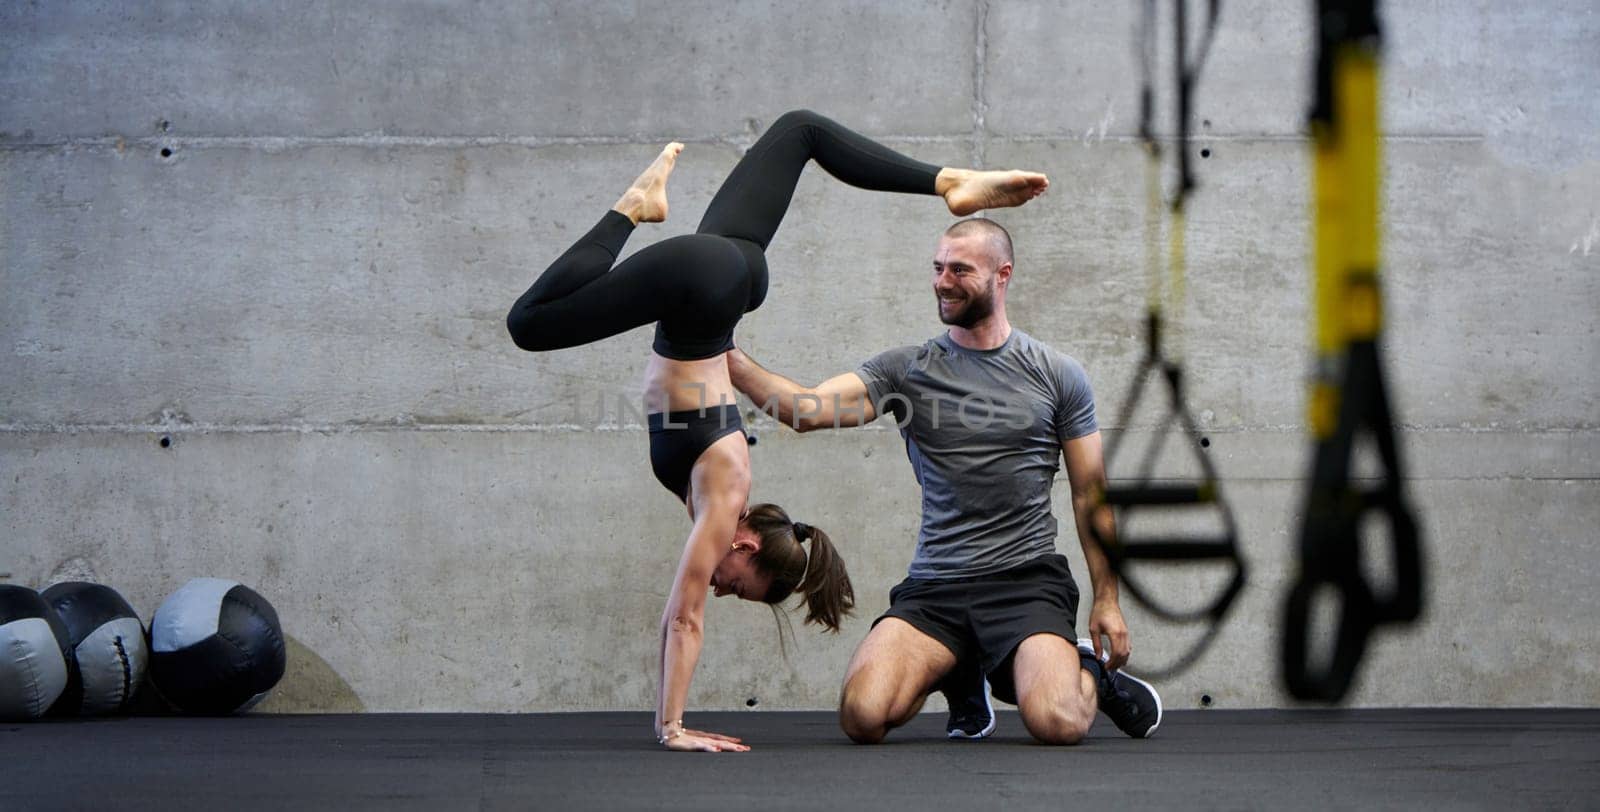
(1132, 704)
(971, 712)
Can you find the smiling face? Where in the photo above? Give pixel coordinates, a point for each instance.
(966, 279)
(736, 574)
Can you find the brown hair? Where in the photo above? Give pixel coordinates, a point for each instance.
(820, 578)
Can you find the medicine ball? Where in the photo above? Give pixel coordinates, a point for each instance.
(108, 648)
(215, 647)
(33, 654)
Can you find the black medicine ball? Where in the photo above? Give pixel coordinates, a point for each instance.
(33, 654)
(109, 653)
(215, 647)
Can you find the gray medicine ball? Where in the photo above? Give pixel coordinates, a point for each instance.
(215, 647)
(33, 654)
(108, 647)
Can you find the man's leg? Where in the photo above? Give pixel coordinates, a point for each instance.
(1059, 685)
(1023, 619)
(1056, 695)
(1132, 704)
(890, 676)
(966, 690)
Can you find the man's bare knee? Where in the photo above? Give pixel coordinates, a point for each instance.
(1056, 702)
(863, 728)
(1054, 724)
(865, 721)
(889, 677)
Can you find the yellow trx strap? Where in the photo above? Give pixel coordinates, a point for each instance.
(1348, 398)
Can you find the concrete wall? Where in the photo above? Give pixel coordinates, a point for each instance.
(283, 236)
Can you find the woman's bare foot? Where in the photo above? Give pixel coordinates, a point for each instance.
(646, 200)
(968, 190)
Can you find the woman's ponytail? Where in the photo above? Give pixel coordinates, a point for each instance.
(826, 587)
(819, 577)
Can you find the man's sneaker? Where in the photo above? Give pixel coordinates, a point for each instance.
(971, 712)
(1132, 704)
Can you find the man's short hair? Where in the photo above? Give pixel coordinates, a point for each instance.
(999, 239)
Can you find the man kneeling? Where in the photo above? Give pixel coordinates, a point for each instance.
(987, 413)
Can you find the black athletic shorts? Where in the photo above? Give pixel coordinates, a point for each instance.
(984, 618)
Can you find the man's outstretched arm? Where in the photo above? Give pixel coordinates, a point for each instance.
(835, 403)
(1086, 471)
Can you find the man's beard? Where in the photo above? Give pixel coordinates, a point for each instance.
(974, 310)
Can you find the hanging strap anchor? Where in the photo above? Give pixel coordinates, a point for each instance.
(1146, 493)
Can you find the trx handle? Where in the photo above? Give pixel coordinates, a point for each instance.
(1198, 493)
(1147, 494)
(1173, 548)
(1122, 549)
(1121, 554)
(1367, 410)
(1330, 544)
(1350, 643)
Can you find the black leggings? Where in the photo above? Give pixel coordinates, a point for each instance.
(696, 287)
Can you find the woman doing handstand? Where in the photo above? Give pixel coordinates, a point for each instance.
(694, 288)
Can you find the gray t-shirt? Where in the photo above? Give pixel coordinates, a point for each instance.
(983, 430)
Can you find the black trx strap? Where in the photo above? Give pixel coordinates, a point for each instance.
(1348, 398)
(1145, 492)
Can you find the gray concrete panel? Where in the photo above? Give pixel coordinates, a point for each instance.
(554, 69)
(329, 285)
(1072, 68)
(1477, 258)
(526, 570)
(325, 285)
(441, 570)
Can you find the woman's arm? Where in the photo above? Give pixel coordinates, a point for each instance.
(721, 486)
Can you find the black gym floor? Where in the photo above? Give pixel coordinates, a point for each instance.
(1414, 759)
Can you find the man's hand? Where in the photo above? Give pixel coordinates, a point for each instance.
(738, 363)
(836, 402)
(1105, 620)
